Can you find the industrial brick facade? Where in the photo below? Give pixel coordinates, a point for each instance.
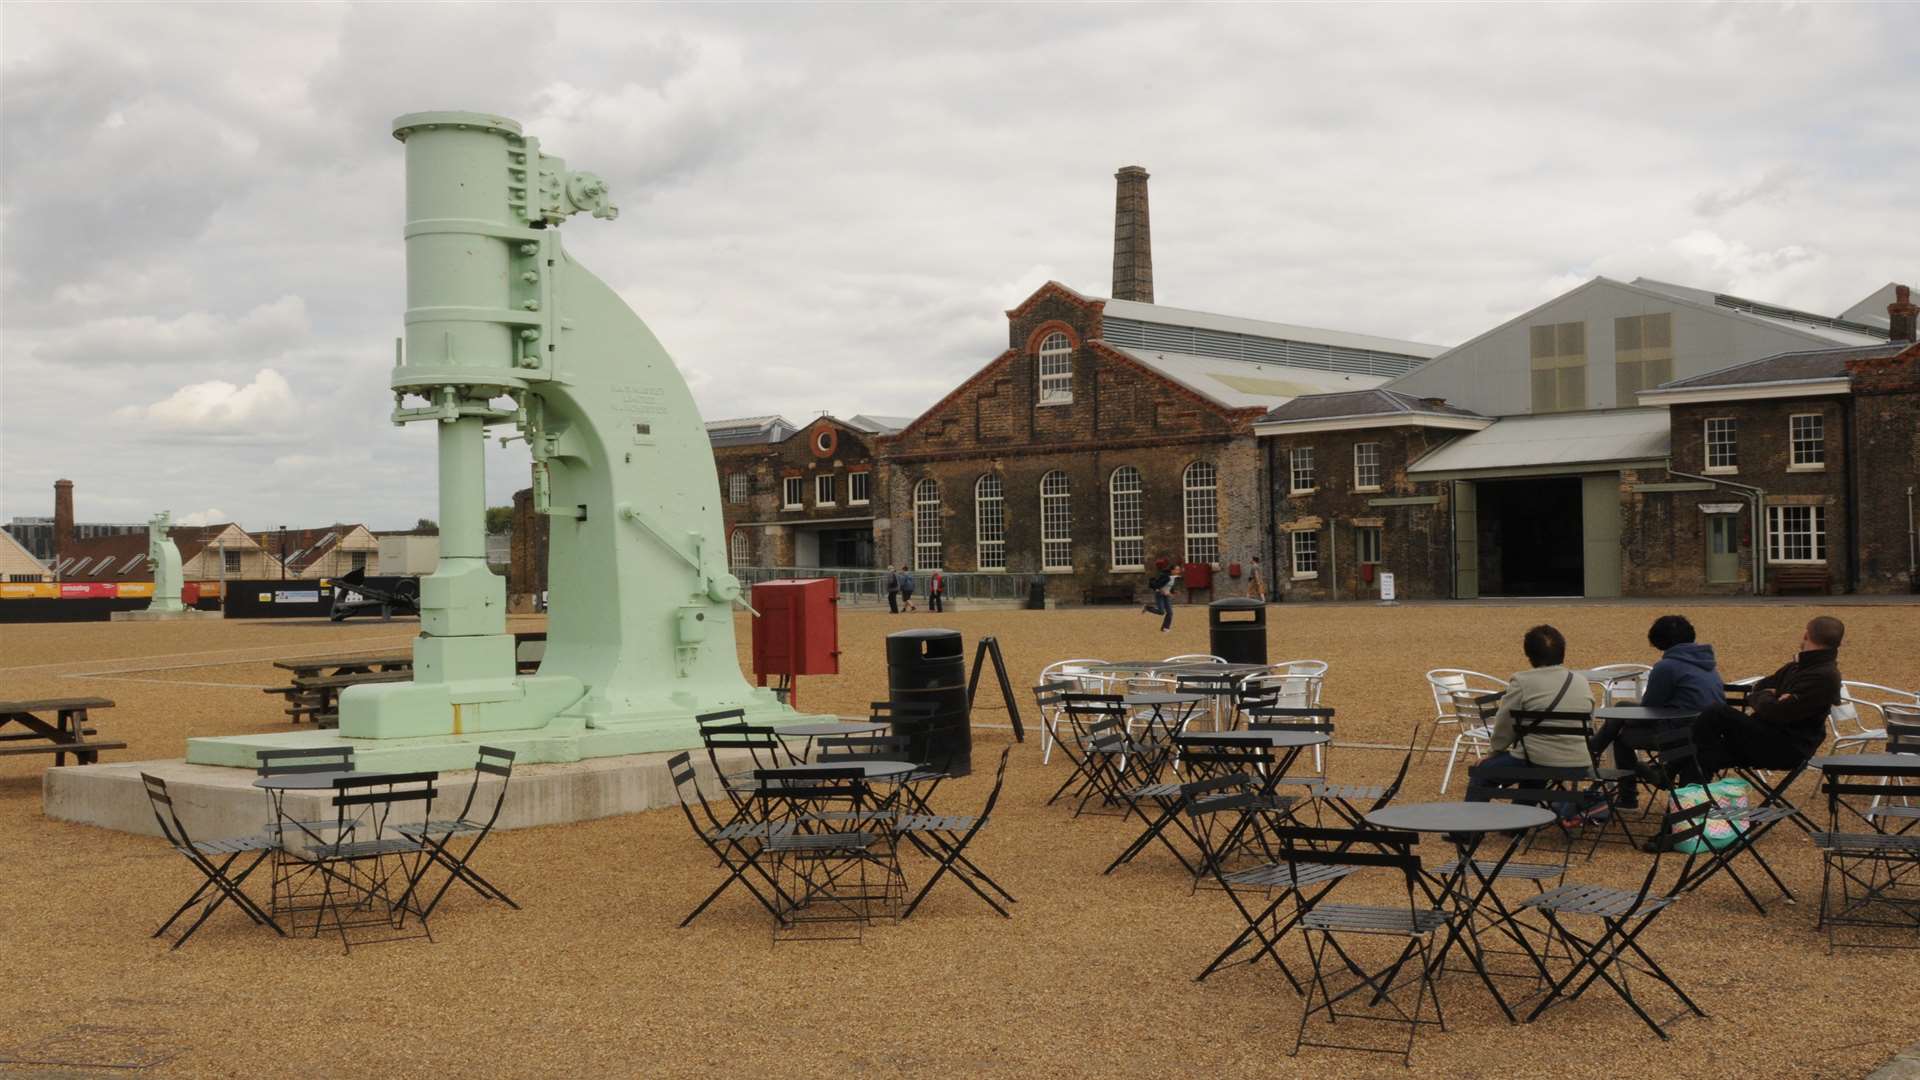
(1886, 426)
(839, 485)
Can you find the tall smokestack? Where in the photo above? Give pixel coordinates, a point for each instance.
(62, 516)
(1132, 237)
(1900, 314)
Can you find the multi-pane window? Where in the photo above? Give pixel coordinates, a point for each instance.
(1558, 355)
(740, 547)
(990, 523)
(1129, 519)
(926, 525)
(824, 490)
(858, 491)
(231, 561)
(1366, 466)
(357, 560)
(1367, 543)
(1723, 451)
(1809, 431)
(1201, 488)
(1306, 553)
(1056, 522)
(1642, 355)
(738, 486)
(795, 490)
(1056, 369)
(1796, 534)
(1300, 469)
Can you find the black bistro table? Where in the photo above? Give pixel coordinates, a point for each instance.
(1158, 723)
(1172, 799)
(827, 729)
(1646, 714)
(1466, 825)
(284, 863)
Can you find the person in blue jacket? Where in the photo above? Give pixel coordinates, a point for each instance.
(1685, 677)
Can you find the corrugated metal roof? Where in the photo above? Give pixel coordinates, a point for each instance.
(1610, 435)
(1240, 384)
(1833, 328)
(1375, 402)
(1797, 366)
(1205, 329)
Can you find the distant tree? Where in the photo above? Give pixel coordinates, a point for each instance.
(426, 527)
(499, 520)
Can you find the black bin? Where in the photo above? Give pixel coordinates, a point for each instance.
(1237, 630)
(927, 688)
(1037, 594)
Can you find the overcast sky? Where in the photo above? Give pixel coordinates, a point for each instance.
(831, 208)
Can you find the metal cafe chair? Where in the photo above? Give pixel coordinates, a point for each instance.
(1621, 684)
(368, 860)
(439, 835)
(1614, 954)
(1750, 825)
(821, 872)
(1604, 782)
(301, 761)
(1096, 748)
(736, 844)
(1868, 863)
(1903, 737)
(1050, 699)
(1221, 692)
(1457, 694)
(1279, 882)
(944, 838)
(1313, 718)
(215, 860)
(728, 730)
(1857, 700)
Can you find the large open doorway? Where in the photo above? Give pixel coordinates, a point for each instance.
(1530, 537)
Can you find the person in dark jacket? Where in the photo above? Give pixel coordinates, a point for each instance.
(1787, 717)
(893, 590)
(1161, 586)
(1685, 677)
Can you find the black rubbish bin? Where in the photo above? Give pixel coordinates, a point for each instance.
(927, 689)
(1037, 594)
(1237, 630)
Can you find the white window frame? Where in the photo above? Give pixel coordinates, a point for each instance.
(1299, 466)
(1303, 547)
(1056, 523)
(1816, 443)
(1054, 367)
(792, 490)
(739, 488)
(1200, 511)
(1127, 516)
(926, 525)
(1361, 535)
(990, 523)
(825, 480)
(1365, 461)
(1780, 530)
(859, 488)
(1731, 461)
(230, 561)
(740, 547)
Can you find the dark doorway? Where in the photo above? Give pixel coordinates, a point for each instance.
(1531, 539)
(846, 549)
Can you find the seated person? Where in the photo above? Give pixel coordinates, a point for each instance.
(1549, 686)
(1787, 717)
(1685, 677)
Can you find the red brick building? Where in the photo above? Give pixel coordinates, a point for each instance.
(803, 496)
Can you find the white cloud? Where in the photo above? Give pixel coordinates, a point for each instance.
(140, 339)
(209, 516)
(263, 409)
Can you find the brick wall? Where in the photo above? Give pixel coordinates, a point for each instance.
(526, 553)
(1886, 402)
(824, 447)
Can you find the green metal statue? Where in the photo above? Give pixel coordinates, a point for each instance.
(165, 560)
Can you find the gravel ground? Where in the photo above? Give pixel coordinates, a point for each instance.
(1092, 976)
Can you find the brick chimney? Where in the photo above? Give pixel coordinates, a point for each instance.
(1132, 237)
(1900, 315)
(62, 516)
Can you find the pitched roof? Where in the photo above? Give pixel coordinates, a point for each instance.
(1358, 403)
(301, 548)
(1838, 330)
(747, 430)
(1240, 384)
(1805, 365)
(1163, 315)
(1553, 443)
(123, 557)
(878, 425)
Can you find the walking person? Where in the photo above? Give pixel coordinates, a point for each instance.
(1256, 585)
(906, 589)
(936, 591)
(1161, 585)
(893, 590)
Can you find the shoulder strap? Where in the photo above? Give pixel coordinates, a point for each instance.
(1561, 694)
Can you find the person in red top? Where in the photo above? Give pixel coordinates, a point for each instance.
(936, 591)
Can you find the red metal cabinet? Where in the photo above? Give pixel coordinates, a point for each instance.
(797, 630)
(1199, 576)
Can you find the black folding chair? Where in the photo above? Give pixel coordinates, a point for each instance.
(1595, 795)
(1292, 879)
(1214, 766)
(284, 895)
(1096, 746)
(215, 860)
(1351, 803)
(1869, 863)
(1750, 825)
(438, 836)
(736, 844)
(1223, 692)
(944, 838)
(729, 731)
(367, 860)
(1614, 953)
(1414, 965)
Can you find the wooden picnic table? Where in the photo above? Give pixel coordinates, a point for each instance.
(314, 693)
(67, 733)
(346, 665)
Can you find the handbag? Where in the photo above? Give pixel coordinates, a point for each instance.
(1728, 794)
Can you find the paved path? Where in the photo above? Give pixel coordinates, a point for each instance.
(1904, 1066)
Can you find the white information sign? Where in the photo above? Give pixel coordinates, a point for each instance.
(1386, 587)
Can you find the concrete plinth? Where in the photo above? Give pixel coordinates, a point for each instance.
(222, 802)
(145, 615)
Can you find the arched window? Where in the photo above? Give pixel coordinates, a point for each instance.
(989, 523)
(1056, 369)
(1129, 540)
(1202, 490)
(1056, 522)
(740, 547)
(926, 525)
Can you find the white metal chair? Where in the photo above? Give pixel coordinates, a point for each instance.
(1194, 658)
(1290, 684)
(1070, 675)
(1622, 684)
(1848, 722)
(1443, 684)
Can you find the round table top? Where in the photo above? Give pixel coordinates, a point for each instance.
(310, 781)
(1277, 738)
(1163, 699)
(871, 769)
(1460, 817)
(1867, 761)
(1645, 713)
(833, 727)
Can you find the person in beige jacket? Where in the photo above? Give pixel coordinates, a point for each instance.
(1549, 686)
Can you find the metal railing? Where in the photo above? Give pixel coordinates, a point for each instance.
(868, 586)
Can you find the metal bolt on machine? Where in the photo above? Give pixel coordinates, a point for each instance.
(505, 330)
